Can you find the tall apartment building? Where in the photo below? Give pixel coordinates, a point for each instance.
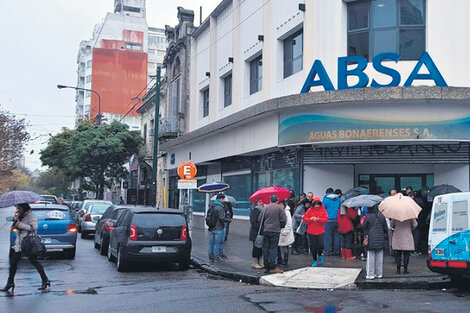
(117, 63)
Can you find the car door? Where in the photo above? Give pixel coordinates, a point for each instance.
(120, 228)
(100, 224)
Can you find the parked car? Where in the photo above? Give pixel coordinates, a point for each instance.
(147, 234)
(50, 198)
(90, 213)
(102, 229)
(56, 227)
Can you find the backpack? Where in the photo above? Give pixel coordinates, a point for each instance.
(211, 217)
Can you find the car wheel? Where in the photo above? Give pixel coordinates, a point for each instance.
(121, 263)
(97, 246)
(459, 282)
(184, 265)
(110, 255)
(83, 235)
(79, 228)
(103, 247)
(70, 253)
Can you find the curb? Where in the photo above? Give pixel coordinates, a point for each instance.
(236, 276)
(426, 283)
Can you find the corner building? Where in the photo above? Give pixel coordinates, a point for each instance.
(250, 126)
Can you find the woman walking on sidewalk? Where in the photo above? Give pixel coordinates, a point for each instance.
(256, 253)
(375, 228)
(316, 218)
(286, 238)
(402, 242)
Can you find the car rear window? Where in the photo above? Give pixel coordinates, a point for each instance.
(49, 198)
(87, 205)
(99, 209)
(150, 220)
(51, 214)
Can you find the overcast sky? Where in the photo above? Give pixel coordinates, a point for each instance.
(40, 40)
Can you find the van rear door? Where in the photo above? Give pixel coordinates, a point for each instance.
(439, 231)
(459, 236)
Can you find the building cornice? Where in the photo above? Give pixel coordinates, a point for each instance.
(276, 105)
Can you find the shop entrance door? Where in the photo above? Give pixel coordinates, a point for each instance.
(383, 183)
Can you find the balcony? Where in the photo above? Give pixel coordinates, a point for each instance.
(168, 127)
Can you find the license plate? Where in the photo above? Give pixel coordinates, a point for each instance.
(158, 249)
(47, 240)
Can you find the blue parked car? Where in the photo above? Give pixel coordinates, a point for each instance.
(56, 227)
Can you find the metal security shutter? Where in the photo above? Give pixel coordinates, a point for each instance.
(442, 153)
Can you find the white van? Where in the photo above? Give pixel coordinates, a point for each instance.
(449, 236)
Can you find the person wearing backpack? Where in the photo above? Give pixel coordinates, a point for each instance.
(216, 220)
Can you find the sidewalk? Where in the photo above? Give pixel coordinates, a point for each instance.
(238, 266)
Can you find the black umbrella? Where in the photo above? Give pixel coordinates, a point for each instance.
(441, 190)
(354, 192)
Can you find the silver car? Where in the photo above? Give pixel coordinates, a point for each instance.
(91, 212)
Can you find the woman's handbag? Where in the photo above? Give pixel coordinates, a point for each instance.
(260, 238)
(302, 228)
(33, 246)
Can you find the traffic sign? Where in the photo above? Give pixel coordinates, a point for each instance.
(187, 170)
(187, 184)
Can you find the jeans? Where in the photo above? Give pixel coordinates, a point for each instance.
(316, 245)
(222, 243)
(375, 263)
(346, 240)
(270, 243)
(215, 239)
(332, 237)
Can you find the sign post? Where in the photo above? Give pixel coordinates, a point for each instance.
(187, 171)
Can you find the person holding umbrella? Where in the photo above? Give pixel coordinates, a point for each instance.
(403, 242)
(27, 225)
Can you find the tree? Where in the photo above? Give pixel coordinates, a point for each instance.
(17, 179)
(53, 181)
(93, 152)
(13, 136)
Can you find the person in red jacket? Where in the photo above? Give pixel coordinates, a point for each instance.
(346, 229)
(316, 217)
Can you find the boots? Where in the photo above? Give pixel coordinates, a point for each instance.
(398, 261)
(45, 284)
(406, 260)
(349, 255)
(10, 284)
(343, 253)
(255, 263)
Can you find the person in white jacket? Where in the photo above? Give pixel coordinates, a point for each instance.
(286, 238)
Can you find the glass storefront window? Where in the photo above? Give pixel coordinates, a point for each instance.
(287, 178)
(381, 16)
(198, 199)
(415, 182)
(241, 190)
(411, 12)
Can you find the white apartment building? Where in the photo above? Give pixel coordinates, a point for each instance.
(250, 125)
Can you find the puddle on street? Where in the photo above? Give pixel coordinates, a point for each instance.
(322, 309)
(89, 291)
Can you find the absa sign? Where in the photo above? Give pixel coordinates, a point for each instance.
(361, 63)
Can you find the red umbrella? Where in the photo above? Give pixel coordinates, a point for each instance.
(266, 192)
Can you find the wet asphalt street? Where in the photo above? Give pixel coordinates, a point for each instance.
(91, 284)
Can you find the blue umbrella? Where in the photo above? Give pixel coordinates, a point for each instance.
(16, 197)
(213, 187)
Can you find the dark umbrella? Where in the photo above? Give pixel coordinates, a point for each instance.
(16, 197)
(362, 200)
(441, 190)
(213, 187)
(354, 192)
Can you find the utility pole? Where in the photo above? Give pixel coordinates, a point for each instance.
(155, 139)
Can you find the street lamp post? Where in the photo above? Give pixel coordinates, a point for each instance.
(98, 117)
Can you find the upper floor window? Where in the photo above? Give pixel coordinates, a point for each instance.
(377, 26)
(89, 63)
(293, 53)
(88, 94)
(227, 90)
(205, 102)
(145, 133)
(88, 79)
(256, 74)
(175, 97)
